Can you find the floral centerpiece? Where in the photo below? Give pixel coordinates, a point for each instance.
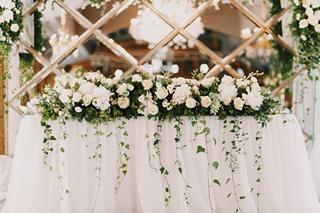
(95, 98)
(10, 24)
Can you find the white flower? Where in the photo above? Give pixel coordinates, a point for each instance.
(130, 87)
(204, 68)
(136, 78)
(298, 16)
(227, 92)
(254, 80)
(205, 101)
(195, 89)
(123, 102)
(253, 99)
(317, 28)
(142, 99)
(309, 11)
(181, 93)
(65, 96)
(165, 103)
(238, 103)
(86, 88)
(174, 68)
(179, 81)
(100, 92)
(14, 28)
(122, 88)
(78, 109)
(76, 97)
(147, 84)
(206, 82)
(6, 16)
(107, 81)
(162, 92)
(227, 79)
(191, 103)
(152, 108)
(118, 73)
(313, 20)
(171, 88)
(303, 37)
(303, 23)
(242, 83)
(87, 99)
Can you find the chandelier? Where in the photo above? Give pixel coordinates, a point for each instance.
(142, 28)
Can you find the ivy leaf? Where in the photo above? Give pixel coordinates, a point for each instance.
(215, 164)
(216, 181)
(200, 149)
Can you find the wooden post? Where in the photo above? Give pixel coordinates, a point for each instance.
(2, 109)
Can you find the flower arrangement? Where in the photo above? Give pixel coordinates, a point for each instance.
(10, 24)
(95, 98)
(92, 97)
(306, 29)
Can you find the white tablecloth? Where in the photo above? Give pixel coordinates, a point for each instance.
(286, 187)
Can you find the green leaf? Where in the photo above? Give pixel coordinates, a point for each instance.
(215, 164)
(242, 197)
(62, 149)
(200, 149)
(216, 181)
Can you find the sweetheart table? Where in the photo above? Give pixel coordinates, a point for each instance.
(205, 183)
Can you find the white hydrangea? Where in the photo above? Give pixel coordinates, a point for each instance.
(181, 93)
(254, 99)
(227, 90)
(136, 78)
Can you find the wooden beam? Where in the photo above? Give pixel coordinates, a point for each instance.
(2, 109)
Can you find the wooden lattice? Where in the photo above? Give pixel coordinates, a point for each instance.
(137, 65)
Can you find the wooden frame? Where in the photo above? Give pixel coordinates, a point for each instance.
(93, 29)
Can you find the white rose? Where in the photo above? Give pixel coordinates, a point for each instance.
(107, 81)
(78, 109)
(191, 103)
(238, 103)
(162, 93)
(142, 99)
(14, 28)
(130, 87)
(86, 88)
(174, 68)
(317, 28)
(99, 92)
(313, 20)
(152, 109)
(205, 101)
(298, 16)
(303, 23)
(76, 97)
(227, 79)
(204, 68)
(122, 89)
(309, 11)
(147, 84)
(136, 78)
(165, 103)
(303, 37)
(87, 99)
(118, 73)
(123, 102)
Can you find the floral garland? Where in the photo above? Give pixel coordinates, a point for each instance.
(96, 99)
(305, 28)
(10, 24)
